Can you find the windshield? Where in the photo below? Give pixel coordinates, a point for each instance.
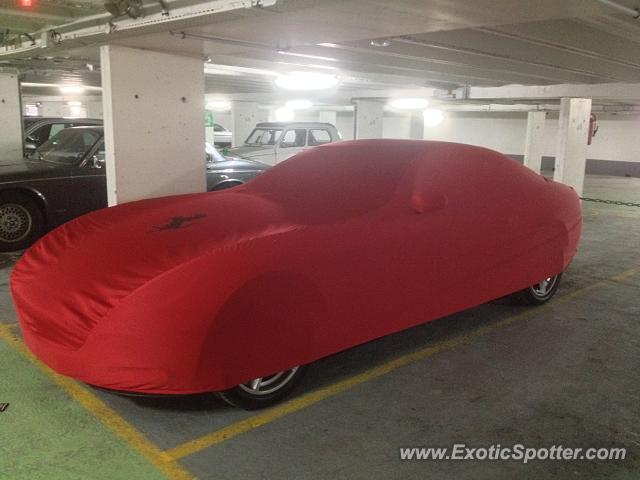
(264, 136)
(68, 146)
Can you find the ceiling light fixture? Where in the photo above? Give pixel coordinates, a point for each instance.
(57, 85)
(74, 104)
(433, 117)
(380, 43)
(284, 114)
(409, 103)
(300, 104)
(306, 81)
(304, 55)
(71, 89)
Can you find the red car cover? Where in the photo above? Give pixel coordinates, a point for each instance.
(337, 246)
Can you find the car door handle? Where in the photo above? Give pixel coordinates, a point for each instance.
(428, 202)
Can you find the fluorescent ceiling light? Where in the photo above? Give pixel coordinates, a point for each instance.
(380, 43)
(215, 67)
(74, 104)
(315, 66)
(71, 89)
(284, 114)
(210, 70)
(329, 45)
(306, 81)
(409, 103)
(57, 85)
(219, 105)
(304, 55)
(300, 104)
(433, 117)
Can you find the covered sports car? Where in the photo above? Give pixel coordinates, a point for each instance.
(232, 291)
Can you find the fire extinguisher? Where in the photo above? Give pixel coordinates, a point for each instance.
(593, 127)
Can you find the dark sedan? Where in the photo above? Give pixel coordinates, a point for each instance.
(65, 178)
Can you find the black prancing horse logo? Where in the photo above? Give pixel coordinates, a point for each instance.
(179, 222)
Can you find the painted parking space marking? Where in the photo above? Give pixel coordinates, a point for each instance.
(100, 410)
(309, 399)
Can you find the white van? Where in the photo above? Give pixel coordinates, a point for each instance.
(273, 142)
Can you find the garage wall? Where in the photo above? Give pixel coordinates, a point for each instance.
(617, 139)
(59, 108)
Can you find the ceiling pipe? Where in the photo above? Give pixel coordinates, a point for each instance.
(539, 107)
(634, 12)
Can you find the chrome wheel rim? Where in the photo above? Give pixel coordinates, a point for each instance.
(545, 287)
(15, 222)
(270, 384)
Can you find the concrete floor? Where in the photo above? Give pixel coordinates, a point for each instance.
(567, 373)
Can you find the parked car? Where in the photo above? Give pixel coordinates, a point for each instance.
(222, 137)
(38, 130)
(235, 291)
(65, 178)
(273, 142)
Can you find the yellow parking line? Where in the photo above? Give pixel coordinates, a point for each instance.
(135, 439)
(268, 416)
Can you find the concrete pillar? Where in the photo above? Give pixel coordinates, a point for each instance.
(327, 116)
(416, 126)
(368, 119)
(11, 133)
(154, 123)
(244, 116)
(534, 141)
(571, 154)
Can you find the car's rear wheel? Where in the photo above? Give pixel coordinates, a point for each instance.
(264, 391)
(540, 292)
(21, 221)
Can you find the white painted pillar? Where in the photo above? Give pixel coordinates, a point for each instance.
(327, 116)
(368, 119)
(11, 133)
(416, 126)
(534, 141)
(154, 123)
(244, 116)
(571, 154)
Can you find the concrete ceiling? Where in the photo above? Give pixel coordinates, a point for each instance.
(44, 14)
(442, 44)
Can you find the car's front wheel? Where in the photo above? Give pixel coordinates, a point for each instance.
(21, 221)
(540, 292)
(264, 391)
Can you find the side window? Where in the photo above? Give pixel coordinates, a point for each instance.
(319, 137)
(97, 157)
(40, 135)
(99, 152)
(55, 128)
(294, 138)
(218, 128)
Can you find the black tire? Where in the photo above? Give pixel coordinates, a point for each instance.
(242, 397)
(539, 293)
(21, 221)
